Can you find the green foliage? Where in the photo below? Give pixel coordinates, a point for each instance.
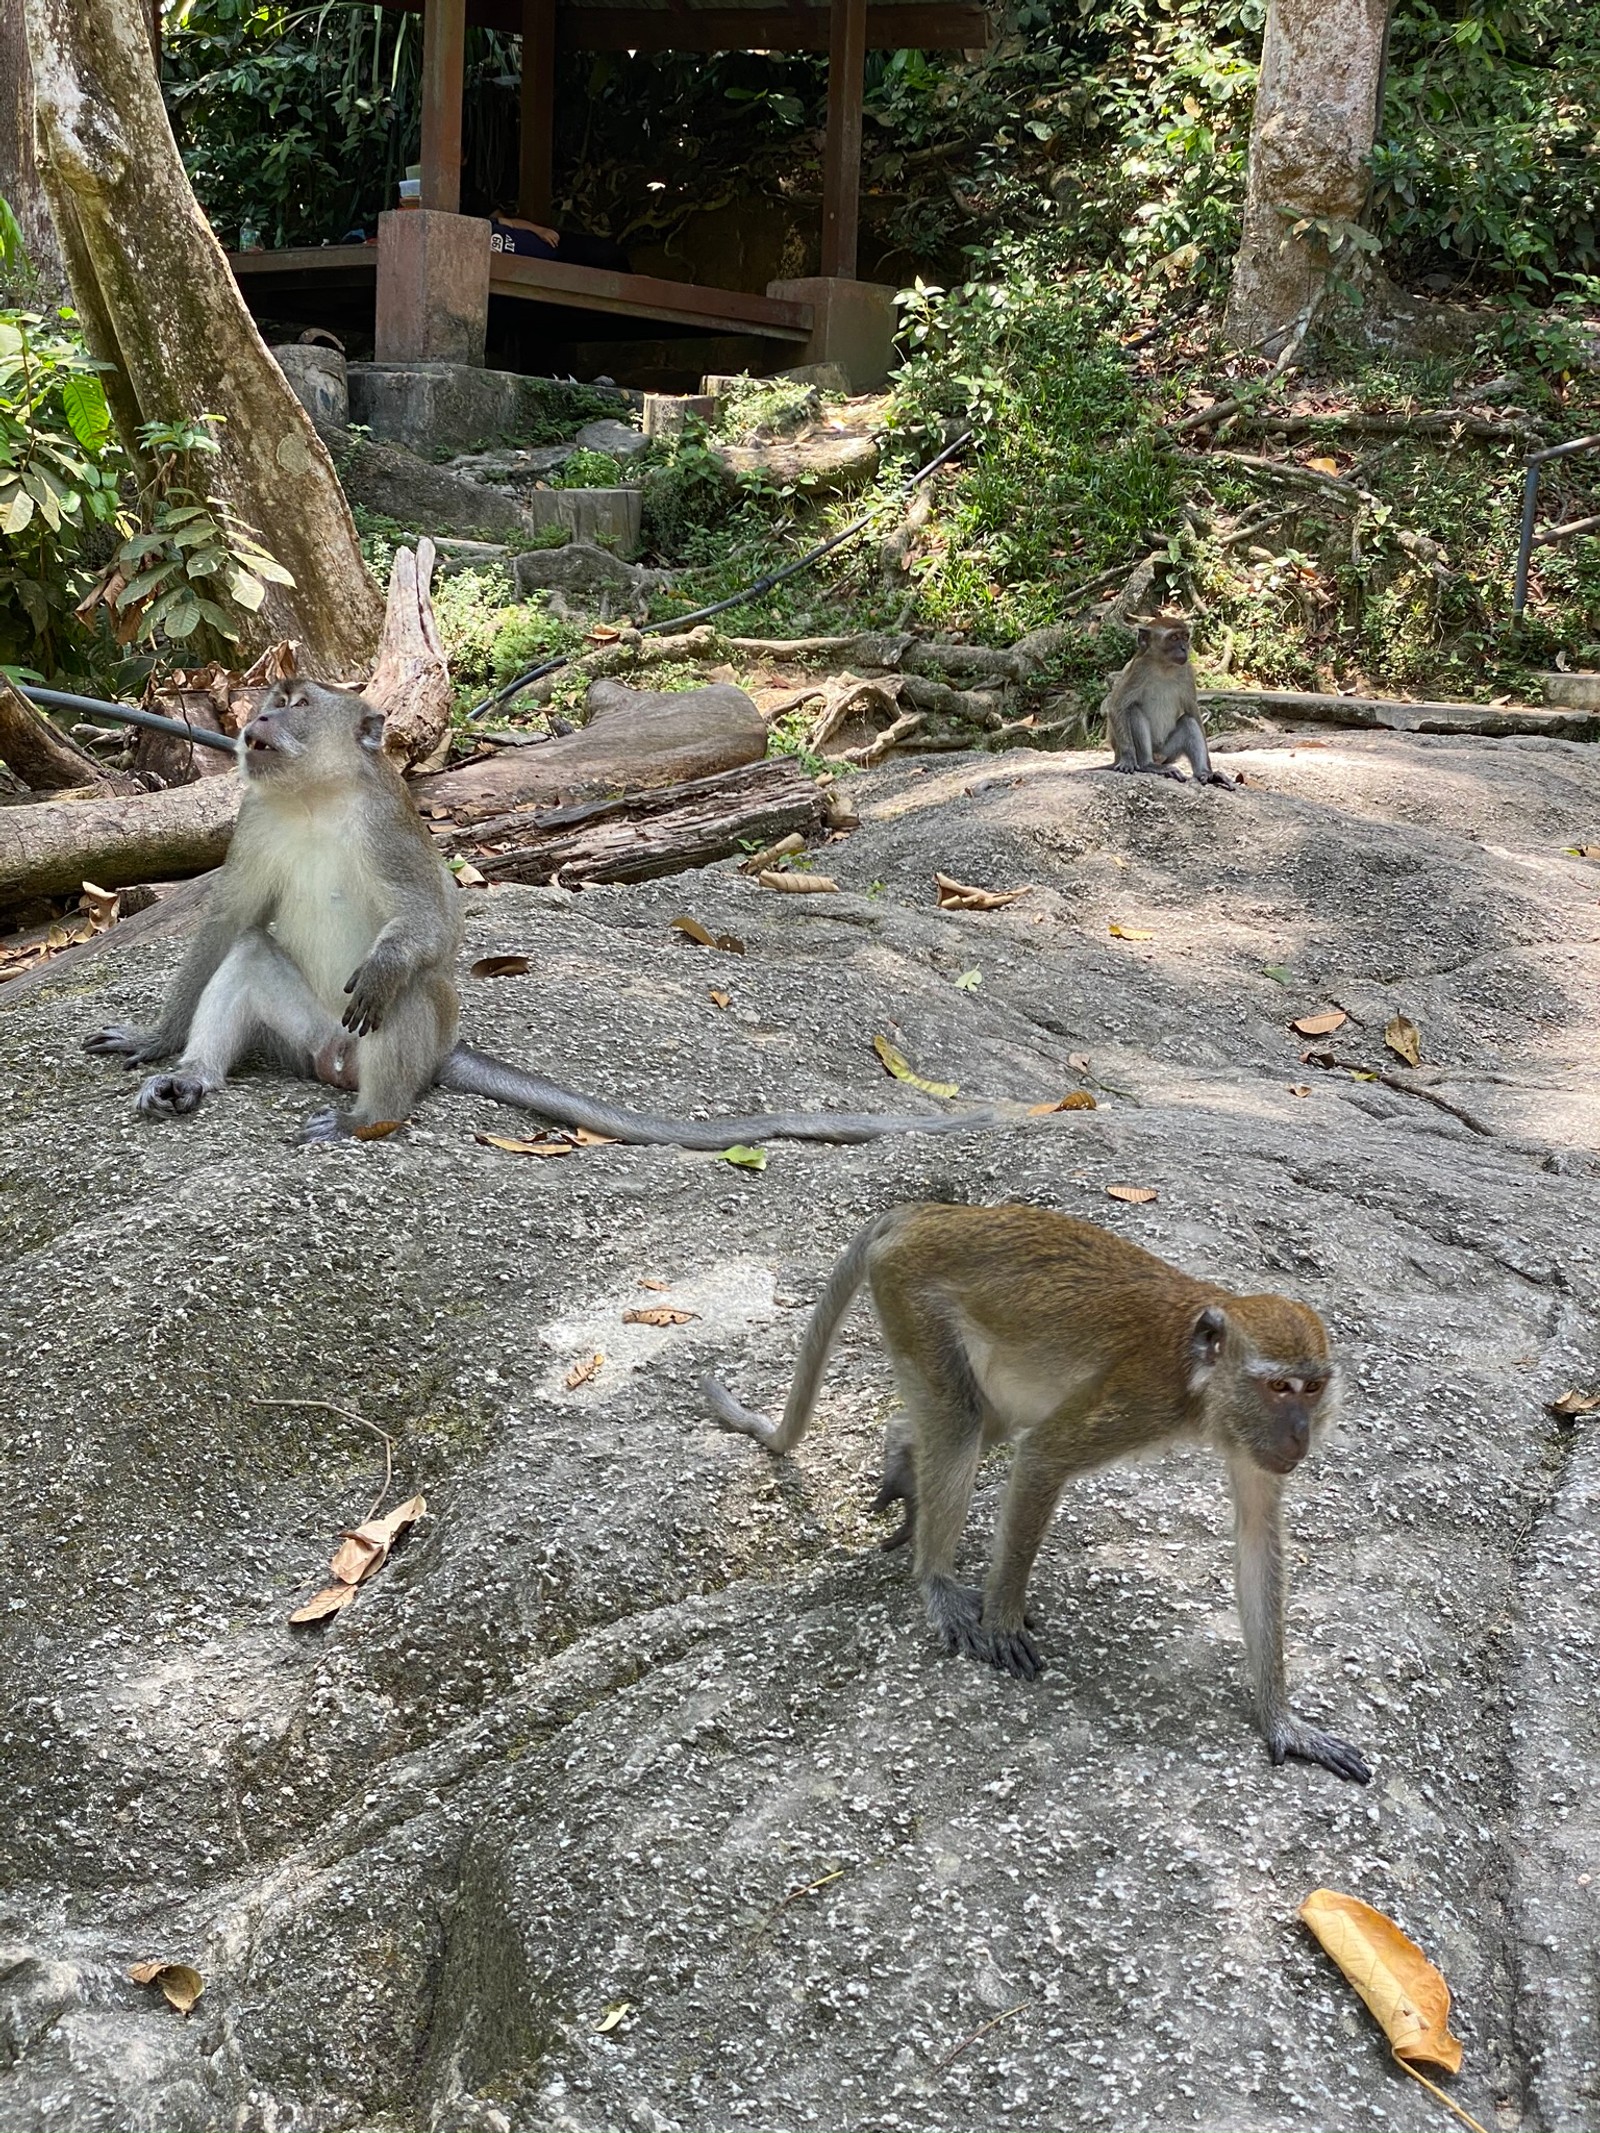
(471, 608)
(687, 494)
(59, 475)
(587, 470)
(763, 407)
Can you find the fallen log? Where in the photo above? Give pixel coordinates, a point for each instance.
(1394, 714)
(666, 830)
(411, 681)
(636, 739)
(43, 757)
(52, 847)
(175, 911)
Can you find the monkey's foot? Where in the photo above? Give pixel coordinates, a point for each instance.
(1221, 777)
(329, 1125)
(1311, 1745)
(125, 1041)
(1163, 770)
(173, 1095)
(956, 1612)
(1013, 1651)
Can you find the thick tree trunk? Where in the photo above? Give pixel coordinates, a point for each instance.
(156, 299)
(19, 166)
(1315, 117)
(51, 848)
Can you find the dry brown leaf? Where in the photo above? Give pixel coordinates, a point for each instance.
(181, 1985)
(100, 906)
(1404, 1039)
(902, 1070)
(1129, 933)
(648, 1281)
(378, 1129)
(657, 1315)
(1323, 466)
(586, 1139)
(800, 884)
(510, 1147)
(1405, 1993)
(1572, 1404)
(1074, 1100)
(615, 2014)
(581, 1373)
(501, 966)
(1321, 1024)
(964, 896)
(785, 848)
(329, 1601)
(1135, 1195)
(467, 876)
(692, 929)
(1299, 1088)
(720, 999)
(358, 1555)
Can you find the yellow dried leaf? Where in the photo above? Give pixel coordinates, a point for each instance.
(720, 999)
(466, 875)
(1321, 1024)
(1299, 1088)
(902, 1070)
(1404, 1039)
(657, 1315)
(379, 1129)
(501, 966)
(1572, 1404)
(581, 1373)
(358, 1554)
(1407, 1996)
(181, 1985)
(616, 2013)
(1323, 466)
(648, 1282)
(1135, 1195)
(692, 929)
(510, 1147)
(329, 1601)
(1129, 933)
(586, 1139)
(785, 848)
(800, 884)
(403, 1515)
(965, 896)
(1074, 1100)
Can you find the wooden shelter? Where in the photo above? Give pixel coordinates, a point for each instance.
(434, 269)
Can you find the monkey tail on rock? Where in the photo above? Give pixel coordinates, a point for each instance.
(838, 1293)
(480, 1074)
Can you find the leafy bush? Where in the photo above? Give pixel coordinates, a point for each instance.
(687, 493)
(587, 470)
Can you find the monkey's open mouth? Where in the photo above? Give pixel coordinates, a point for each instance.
(258, 743)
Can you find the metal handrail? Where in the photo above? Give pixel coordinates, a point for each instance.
(1530, 502)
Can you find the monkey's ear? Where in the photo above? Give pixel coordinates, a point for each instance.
(1144, 640)
(1205, 1344)
(369, 730)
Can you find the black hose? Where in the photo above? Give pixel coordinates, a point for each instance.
(750, 592)
(128, 715)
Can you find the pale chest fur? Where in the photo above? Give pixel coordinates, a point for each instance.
(328, 907)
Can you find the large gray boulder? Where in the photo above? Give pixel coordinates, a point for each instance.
(633, 1792)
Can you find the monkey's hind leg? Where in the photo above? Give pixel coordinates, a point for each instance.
(256, 1000)
(946, 1420)
(1139, 754)
(899, 1484)
(394, 1066)
(1187, 739)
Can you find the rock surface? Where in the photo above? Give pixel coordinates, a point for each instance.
(632, 1793)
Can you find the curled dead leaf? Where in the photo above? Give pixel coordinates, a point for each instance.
(586, 1139)
(501, 966)
(1404, 1039)
(1406, 1995)
(719, 999)
(1135, 1195)
(379, 1129)
(1129, 933)
(616, 2013)
(902, 1070)
(649, 1282)
(100, 906)
(800, 884)
(657, 1315)
(966, 896)
(511, 1147)
(1299, 1088)
(581, 1373)
(785, 848)
(330, 1601)
(1572, 1404)
(364, 1547)
(1074, 1100)
(692, 930)
(467, 875)
(1323, 465)
(1322, 1024)
(181, 1985)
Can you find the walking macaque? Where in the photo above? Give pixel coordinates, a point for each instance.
(1151, 711)
(1017, 1322)
(328, 946)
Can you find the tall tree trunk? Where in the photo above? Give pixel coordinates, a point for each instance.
(19, 168)
(1315, 117)
(157, 300)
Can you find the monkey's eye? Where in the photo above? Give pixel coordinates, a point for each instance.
(1283, 1387)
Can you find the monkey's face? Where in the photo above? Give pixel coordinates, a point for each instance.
(1262, 1367)
(270, 745)
(1290, 1402)
(1173, 645)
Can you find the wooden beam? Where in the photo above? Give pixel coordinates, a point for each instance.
(841, 155)
(679, 303)
(923, 25)
(537, 151)
(444, 66)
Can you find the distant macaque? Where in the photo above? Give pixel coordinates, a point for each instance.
(328, 949)
(1013, 1322)
(1151, 710)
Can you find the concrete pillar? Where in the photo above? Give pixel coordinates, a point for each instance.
(433, 287)
(853, 326)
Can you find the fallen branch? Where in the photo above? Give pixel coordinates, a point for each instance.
(1389, 1080)
(175, 911)
(1355, 424)
(51, 848)
(663, 831)
(43, 757)
(628, 654)
(1395, 715)
(908, 723)
(1563, 532)
(1281, 469)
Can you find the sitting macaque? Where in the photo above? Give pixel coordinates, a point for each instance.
(1151, 711)
(329, 946)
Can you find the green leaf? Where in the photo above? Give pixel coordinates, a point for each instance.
(221, 622)
(39, 489)
(266, 566)
(969, 981)
(182, 617)
(247, 591)
(13, 252)
(1280, 973)
(16, 511)
(744, 1158)
(147, 585)
(88, 416)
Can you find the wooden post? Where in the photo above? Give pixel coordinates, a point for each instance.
(537, 176)
(444, 65)
(841, 161)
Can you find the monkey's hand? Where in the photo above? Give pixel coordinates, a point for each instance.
(373, 990)
(173, 1095)
(133, 1043)
(1221, 777)
(1292, 1736)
